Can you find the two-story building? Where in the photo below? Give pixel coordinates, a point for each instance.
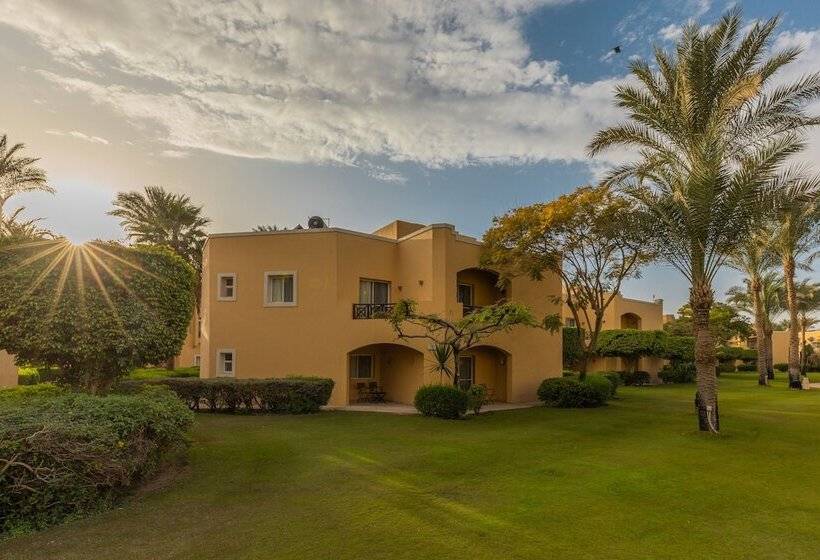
(308, 301)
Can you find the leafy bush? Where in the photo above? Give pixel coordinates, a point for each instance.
(678, 372)
(68, 454)
(725, 367)
(747, 367)
(732, 353)
(290, 395)
(679, 348)
(781, 367)
(30, 375)
(477, 397)
(601, 384)
(634, 378)
(567, 392)
(631, 343)
(133, 309)
(569, 373)
(614, 378)
(441, 401)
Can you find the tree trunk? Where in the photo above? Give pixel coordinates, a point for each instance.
(769, 354)
(760, 334)
(794, 327)
(706, 398)
(456, 354)
(804, 324)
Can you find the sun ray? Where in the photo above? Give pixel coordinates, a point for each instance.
(104, 292)
(61, 282)
(95, 247)
(36, 257)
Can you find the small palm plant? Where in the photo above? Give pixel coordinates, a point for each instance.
(712, 137)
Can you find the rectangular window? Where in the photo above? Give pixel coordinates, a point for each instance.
(226, 363)
(465, 294)
(374, 291)
(466, 371)
(361, 366)
(280, 288)
(197, 360)
(570, 322)
(227, 287)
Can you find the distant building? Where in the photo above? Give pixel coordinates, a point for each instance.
(8, 370)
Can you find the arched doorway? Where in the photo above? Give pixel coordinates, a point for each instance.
(384, 372)
(486, 365)
(630, 321)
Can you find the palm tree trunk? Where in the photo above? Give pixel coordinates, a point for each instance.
(769, 354)
(794, 326)
(760, 334)
(706, 398)
(803, 357)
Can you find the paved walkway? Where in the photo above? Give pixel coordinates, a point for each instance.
(396, 408)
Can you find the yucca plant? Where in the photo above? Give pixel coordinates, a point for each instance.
(712, 137)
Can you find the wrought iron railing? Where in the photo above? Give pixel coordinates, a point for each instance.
(472, 309)
(372, 310)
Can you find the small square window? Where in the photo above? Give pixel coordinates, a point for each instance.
(280, 288)
(227, 287)
(226, 363)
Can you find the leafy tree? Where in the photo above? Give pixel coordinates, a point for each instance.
(450, 338)
(571, 346)
(18, 174)
(725, 323)
(712, 136)
(589, 238)
(753, 257)
(96, 311)
(631, 345)
(797, 232)
(771, 306)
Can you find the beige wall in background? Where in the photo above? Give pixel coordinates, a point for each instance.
(8, 370)
(317, 334)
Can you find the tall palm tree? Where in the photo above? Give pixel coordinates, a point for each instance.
(712, 137)
(18, 173)
(158, 217)
(753, 257)
(797, 234)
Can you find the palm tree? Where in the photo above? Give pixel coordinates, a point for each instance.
(712, 139)
(808, 302)
(15, 229)
(18, 174)
(798, 215)
(753, 257)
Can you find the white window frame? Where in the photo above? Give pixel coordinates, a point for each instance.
(372, 366)
(219, 278)
(268, 303)
(374, 281)
(220, 364)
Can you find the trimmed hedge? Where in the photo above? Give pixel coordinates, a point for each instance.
(634, 378)
(568, 392)
(289, 395)
(678, 372)
(781, 367)
(747, 367)
(70, 454)
(441, 401)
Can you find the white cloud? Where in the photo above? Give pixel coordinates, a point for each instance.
(79, 135)
(671, 32)
(175, 154)
(441, 84)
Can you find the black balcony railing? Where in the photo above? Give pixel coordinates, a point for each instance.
(468, 309)
(372, 310)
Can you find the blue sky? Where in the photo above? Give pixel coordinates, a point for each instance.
(360, 112)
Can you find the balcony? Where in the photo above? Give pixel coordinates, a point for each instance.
(372, 310)
(469, 309)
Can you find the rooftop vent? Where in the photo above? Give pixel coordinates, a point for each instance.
(316, 222)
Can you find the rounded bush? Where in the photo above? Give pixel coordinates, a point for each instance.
(477, 397)
(550, 390)
(441, 401)
(747, 367)
(601, 384)
(634, 378)
(725, 367)
(678, 372)
(781, 367)
(566, 392)
(614, 378)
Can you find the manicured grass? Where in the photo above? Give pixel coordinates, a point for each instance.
(157, 373)
(630, 480)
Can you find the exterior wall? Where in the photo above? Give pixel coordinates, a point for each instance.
(191, 347)
(780, 344)
(317, 334)
(8, 370)
(619, 314)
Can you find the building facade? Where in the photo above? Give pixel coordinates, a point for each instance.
(306, 302)
(627, 313)
(8, 370)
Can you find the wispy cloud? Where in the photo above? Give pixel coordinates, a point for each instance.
(175, 154)
(78, 135)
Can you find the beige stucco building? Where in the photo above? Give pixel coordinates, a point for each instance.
(302, 302)
(627, 313)
(8, 370)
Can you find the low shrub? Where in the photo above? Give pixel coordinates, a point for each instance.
(601, 384)
(477, 397)
(747, 367)
(441, 401)
(30, 375)
(678, 372)
(725, 367)
(781, 367)
(69, 454)
(614, 378)
(567, 392)
(634, 378)
(290, 395)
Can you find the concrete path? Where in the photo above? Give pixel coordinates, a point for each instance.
(396, 408)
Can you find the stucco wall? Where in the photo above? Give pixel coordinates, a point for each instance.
(8, 370)
(315, 336)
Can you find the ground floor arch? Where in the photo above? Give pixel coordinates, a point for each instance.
(489, 366)
(384, 371)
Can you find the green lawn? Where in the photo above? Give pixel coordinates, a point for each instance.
(631, 480)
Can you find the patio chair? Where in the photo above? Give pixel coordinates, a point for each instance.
(376, 395)
(363, 393)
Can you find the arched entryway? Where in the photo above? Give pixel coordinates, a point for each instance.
(630, 321)
(384, 372)
(486, 365)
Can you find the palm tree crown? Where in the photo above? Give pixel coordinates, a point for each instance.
(18, 173)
